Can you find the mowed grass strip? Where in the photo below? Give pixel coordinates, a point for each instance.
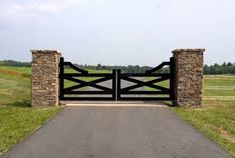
(18, 122)
(216, 119)
(17, 118)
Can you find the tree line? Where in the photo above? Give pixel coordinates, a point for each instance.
(225, 68)
(15, 63)
(128, 69)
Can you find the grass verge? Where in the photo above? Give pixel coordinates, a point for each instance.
(18, 122)
(17, 118)
(216, 119)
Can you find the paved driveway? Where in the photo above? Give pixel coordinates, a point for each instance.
(116, 132)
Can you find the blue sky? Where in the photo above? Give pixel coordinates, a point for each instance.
(117, 32)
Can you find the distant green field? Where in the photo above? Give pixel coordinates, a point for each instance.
(15, 89)
(26, 70)
(67, 70)
(220, 85)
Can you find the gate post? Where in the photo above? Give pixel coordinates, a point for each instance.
(188, 80)
(45, 77)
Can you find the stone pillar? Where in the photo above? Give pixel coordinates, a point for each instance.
(188, 77)
(45, 77)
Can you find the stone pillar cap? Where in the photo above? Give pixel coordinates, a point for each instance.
(45, 51)
(189, 50)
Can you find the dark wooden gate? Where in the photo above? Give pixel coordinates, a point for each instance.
(78, 81)
(147, 88)
(82, 85)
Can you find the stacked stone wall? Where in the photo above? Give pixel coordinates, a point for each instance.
(188, 77)
(45, 77)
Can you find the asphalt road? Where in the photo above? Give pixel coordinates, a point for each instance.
(116, 132)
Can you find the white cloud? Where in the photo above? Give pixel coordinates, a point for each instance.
(34, 7)
(49, 8)
(45, 7)
(158, 3)
(21, 13)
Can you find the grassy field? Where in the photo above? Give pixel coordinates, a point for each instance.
(15, 86)
(17, 118)
(217, 116)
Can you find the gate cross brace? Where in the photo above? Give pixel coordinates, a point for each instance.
(87, 83)
(143, 83)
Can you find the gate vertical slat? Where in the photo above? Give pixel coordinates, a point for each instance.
(118, 85)
(61, 65)
(114, 82)
(172, 78)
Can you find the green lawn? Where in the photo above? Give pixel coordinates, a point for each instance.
(216, 119)
(18, 122)
(17, 118)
